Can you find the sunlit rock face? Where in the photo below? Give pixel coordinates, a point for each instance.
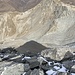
(17, 27)
(44, 21)
(62, 30)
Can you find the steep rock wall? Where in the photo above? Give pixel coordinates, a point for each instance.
(49, 22)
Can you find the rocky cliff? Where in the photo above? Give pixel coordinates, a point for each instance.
(44, 21)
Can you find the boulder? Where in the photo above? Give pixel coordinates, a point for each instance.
(59, 53)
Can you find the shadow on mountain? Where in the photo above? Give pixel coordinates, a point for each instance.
(17, 5)
(31, 47)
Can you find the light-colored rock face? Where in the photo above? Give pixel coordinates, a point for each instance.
(8, 68)
(32, 24)
(49, 53)
(58, 53)
(62, 30)
(49, 22)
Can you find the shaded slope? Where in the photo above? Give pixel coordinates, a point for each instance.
(18, 5)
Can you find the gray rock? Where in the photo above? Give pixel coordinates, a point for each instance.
(73, 59)
(15, 69)
(33, 62)
(49, 53)
(73, 66)
(0, 59)
(35, 72)
(28, 73)
(26, 67)
(64, 52)
(3, 64)
(72, 69)
(42, 60)
(46, 67)
(41, 72)
(32, 72)
(61, 73)
(68, 55)
(34, 65)
(31, 46)
(68, 64)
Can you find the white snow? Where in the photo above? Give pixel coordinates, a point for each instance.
(26, 58)
(57, 64)
(73, 60)
(24, 73)
(49, 63)
(50, 72)
(6, 56)
(72, 73)
(1, 55)
(73, 53)
(57, 68)
(43, 59)
(63, 69)
(55, 73)
(16, 57)
(3, 71)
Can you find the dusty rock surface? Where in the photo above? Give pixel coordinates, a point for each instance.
(58, 53)
(58, 61)
(14, 69)
(45, 21)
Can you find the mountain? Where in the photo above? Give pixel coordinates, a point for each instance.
(18, 5)
(48, 22)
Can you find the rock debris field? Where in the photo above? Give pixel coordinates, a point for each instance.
(14, 62)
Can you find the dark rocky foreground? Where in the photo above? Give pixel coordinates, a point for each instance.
(44, 62)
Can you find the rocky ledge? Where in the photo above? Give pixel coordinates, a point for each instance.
(47, 61)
